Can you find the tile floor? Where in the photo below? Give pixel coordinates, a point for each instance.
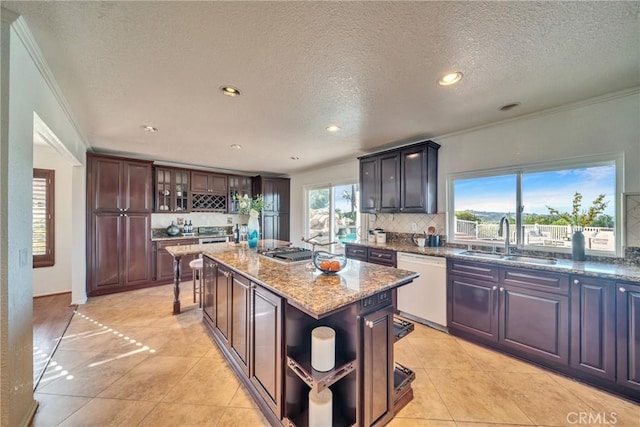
(125, 360)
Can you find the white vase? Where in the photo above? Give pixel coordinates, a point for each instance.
(253, 231)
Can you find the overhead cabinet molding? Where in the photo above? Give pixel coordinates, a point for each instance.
(402, 180)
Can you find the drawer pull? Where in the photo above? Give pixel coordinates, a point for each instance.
(622, 289)
(576, 282)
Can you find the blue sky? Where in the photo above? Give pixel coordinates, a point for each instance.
(553, 188)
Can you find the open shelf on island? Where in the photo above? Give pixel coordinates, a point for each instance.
(402, 379)
(401, 328)
(317, 380)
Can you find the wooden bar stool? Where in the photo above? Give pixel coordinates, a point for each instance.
(196, 266)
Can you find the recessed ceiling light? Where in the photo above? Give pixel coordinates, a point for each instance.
(236, 146)
(450, 78)
(230, 90)
(294, 158)
(509, 106)
(149, 128)
(332, 128)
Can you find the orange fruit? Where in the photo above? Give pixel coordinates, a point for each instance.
(335, 266)
(325, 265)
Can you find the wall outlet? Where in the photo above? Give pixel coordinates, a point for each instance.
(229, 220)
(414, 226)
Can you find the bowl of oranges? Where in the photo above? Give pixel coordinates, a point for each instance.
(329, 263)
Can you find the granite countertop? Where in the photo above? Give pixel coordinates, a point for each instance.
(312, 292)
(602, 270)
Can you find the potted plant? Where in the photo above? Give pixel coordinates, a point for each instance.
(579, 219)
(252, 207)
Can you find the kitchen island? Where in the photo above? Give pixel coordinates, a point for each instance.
(261, 314)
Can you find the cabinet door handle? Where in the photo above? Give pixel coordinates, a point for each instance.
(369, 323)
(501, 289)
(226, 273)
(622, 289)
(495, 288)
(576, 282)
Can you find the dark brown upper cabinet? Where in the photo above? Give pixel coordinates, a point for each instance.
(172, 190)
(403, 180)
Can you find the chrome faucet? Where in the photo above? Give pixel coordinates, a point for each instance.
(507, 249)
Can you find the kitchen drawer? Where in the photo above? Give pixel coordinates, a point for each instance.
(474, 270)
(356, 252)
(177, 242)
(536, 279)
(382, 257)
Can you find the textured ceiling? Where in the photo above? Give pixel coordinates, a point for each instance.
(368, 67)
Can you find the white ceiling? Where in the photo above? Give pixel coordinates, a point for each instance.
(368, 67)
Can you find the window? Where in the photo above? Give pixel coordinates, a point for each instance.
(534, 199)
(43, 218)
(339, 202)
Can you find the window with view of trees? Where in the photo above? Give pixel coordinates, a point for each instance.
(332, 211)
(43, 218)
(544, 205)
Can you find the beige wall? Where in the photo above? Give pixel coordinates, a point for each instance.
(57, 278)
(602, 125)
(26, 88)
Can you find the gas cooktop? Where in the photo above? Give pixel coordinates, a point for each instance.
(287, 254)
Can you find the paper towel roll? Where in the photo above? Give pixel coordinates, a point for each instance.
(323, 348)
(320, 408)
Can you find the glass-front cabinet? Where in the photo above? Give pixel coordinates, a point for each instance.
(171, 190)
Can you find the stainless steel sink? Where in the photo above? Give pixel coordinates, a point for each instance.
(514, 258)
(531, 259)
(481, 254)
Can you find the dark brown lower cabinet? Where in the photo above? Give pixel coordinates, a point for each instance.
(266, 347)
(583, 326)
(164, 260)
(472, 307)
(519, 310)
(378, 367)
(534, 323)
(221, 303)
(120, 251)
(628, 326)
(209, 276)
(593, 329)
(240, 311)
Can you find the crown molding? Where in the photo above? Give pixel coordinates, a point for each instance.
(8, 16)
(24, 34)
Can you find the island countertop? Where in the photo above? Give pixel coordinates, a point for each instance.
(314, 293)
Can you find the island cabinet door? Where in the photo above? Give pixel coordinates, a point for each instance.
(377, 367)
(266, 372)
(628, 316)
(240, 322)
(209, 276)
(593, 329)
(222, 302)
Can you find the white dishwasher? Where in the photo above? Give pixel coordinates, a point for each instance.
(425, 299)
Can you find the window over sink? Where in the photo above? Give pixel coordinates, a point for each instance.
(534, 199)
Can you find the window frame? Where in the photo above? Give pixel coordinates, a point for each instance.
(331, 186)
(48, 259)
(572, 163)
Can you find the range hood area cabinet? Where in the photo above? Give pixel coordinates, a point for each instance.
(402, 180)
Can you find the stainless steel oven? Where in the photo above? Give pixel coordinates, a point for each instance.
(212, 239)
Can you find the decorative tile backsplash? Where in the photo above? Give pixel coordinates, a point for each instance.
(632, 219)
(401, 223)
